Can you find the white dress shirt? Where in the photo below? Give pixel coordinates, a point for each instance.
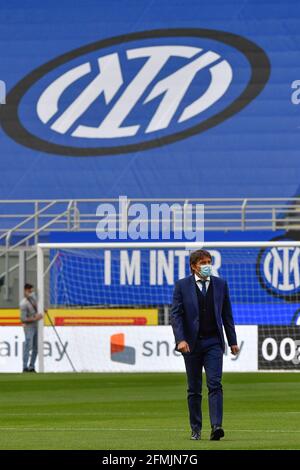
(199, 284)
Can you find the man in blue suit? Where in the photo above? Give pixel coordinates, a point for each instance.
(201, 307)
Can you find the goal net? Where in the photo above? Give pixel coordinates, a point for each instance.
(93, 292)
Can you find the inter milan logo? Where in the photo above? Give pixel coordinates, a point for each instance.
(135, 92)
(279, 271)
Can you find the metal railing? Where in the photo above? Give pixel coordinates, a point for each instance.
(35, 217)
(28, 230)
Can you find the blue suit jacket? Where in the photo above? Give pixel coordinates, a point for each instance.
(185, 311)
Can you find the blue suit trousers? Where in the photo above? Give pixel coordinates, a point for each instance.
(208, 353)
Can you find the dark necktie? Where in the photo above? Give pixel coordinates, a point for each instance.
(203, 290)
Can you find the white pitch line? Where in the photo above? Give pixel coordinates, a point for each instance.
(67, 414)
(103, 413)
(22, 429)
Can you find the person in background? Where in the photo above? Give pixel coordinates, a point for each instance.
(29, 316)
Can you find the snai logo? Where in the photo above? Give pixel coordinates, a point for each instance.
(119, 352)
(135, 92)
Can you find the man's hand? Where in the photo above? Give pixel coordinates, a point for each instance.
(183, 347)
(38, 316)
(235, 349)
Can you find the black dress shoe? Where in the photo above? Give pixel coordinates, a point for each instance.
(216, 433)
(196, 436)
(31, 369)
(26, 369)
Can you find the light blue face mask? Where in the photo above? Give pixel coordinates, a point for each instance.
(32, 296)
(206, 270)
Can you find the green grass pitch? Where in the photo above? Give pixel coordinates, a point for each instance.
(144, 411)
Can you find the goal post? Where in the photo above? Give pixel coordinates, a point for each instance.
(40, 303)
(76, 281)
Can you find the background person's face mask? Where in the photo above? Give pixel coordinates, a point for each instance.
(32, 296)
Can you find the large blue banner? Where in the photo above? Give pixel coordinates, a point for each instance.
(149, 99)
